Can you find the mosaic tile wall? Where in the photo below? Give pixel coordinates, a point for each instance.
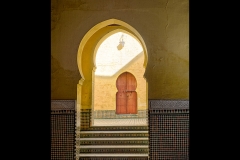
(168, 129)
(62, 130)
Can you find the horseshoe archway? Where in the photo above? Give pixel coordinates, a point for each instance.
(126, 97)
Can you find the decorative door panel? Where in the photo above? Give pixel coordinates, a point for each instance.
(122, 83)
(131, 102)
(121, 103)
(126, 97)
(131, 82)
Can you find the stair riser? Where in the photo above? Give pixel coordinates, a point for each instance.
(113, 142)
(113, 158)
(113, 135)
(114, 150)
(113, 128)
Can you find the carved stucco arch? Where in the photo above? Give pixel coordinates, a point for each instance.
(100, 25)
(87, 53)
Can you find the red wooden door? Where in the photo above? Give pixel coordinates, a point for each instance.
(126, 97)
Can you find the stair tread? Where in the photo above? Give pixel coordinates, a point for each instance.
(112, 155)
(112, 131)
(113, 146)
(118, 138)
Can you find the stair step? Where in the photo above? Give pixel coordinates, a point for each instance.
(113, 128)
(93, 139)
(113, 146)
(113, 158)
(112, 155)
(117, 134)
(112, 132)
(112, 143)
(114, 150)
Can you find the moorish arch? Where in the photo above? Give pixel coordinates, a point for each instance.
(86, 58)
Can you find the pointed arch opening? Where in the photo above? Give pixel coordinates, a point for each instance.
(88, 92)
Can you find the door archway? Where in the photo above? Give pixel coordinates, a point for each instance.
(86, 61)
(126, 96)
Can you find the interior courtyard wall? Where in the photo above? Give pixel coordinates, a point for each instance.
(105, 87)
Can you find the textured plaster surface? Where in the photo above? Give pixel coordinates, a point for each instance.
(163, 24)
(61, 81)
(111, 58)
(105, 87)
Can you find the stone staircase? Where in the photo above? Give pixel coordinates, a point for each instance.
(111, 145)
(111, 142)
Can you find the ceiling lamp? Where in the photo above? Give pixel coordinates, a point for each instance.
(121, 42)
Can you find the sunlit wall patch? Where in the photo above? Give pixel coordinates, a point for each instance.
(115, 52)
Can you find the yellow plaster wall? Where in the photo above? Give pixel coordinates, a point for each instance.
(163, 25)
(105, 87)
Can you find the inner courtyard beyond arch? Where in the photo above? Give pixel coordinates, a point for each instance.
(112, 59)
(89, 88)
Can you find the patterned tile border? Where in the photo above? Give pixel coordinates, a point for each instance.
(111, 114)
(62, 104)
(86, 121)
(168, 104)
(115, 128)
